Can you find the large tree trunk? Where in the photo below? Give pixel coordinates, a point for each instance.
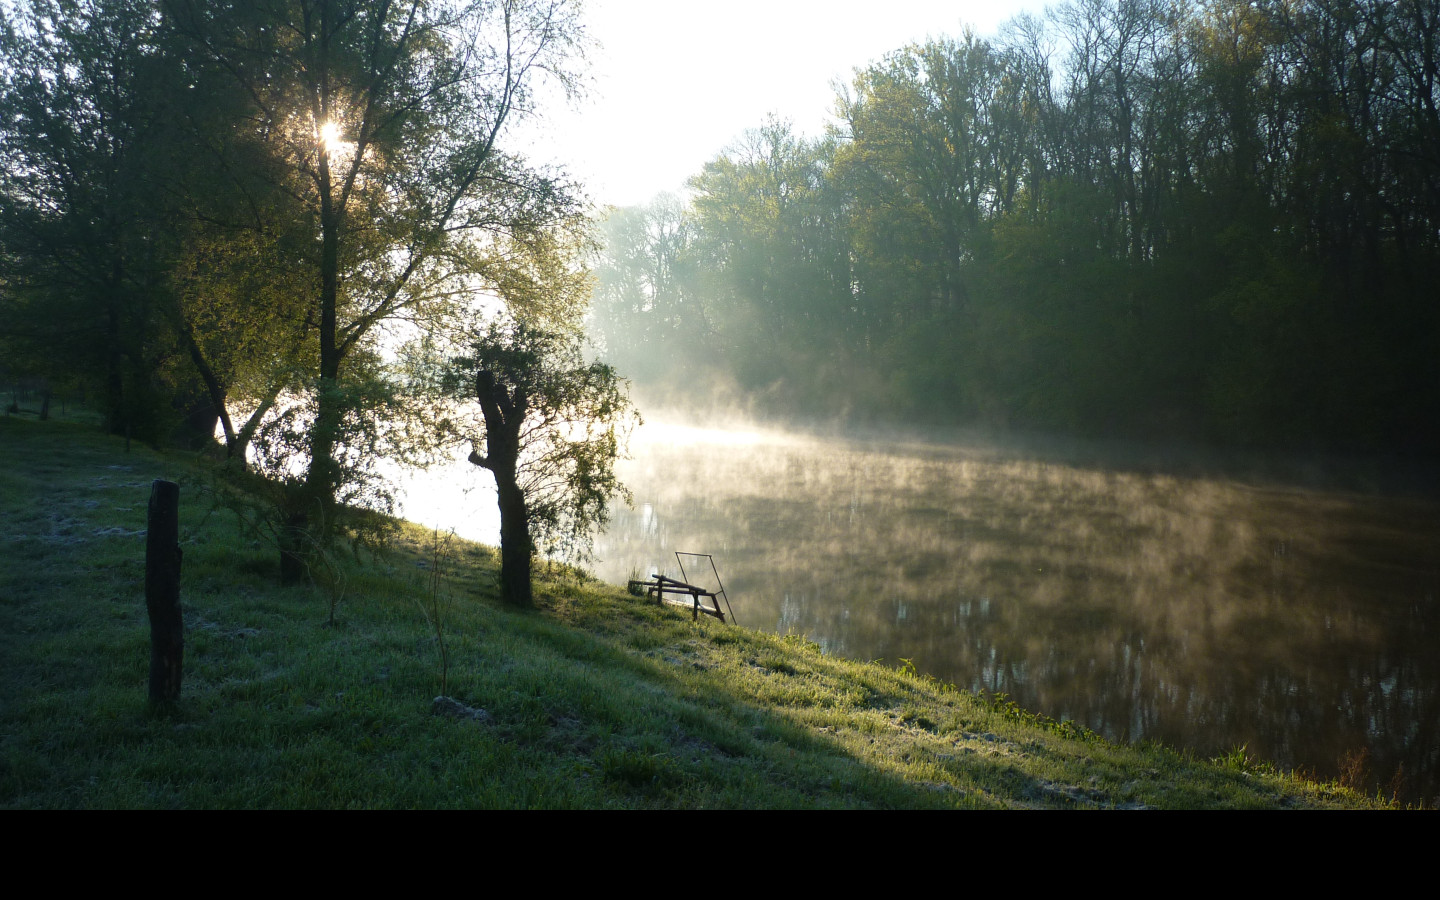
(213, 388)
(515, 547)
(322, 478)
(504, 412)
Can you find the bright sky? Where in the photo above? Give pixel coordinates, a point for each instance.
(675, 82)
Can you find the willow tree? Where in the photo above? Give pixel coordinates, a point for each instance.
(551, 428)
(388, 119)
(548, 424)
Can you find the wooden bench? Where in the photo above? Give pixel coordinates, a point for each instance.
(659, 586)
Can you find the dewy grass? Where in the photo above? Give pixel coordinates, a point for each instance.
(595, 699)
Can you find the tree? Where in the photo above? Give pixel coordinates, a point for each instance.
(387, 118)
(769, 250)
(551, 428)
(651, 313)
(78, 111)
(923, 166)
(150, 248)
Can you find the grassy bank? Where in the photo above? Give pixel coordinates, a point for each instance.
(595, 699)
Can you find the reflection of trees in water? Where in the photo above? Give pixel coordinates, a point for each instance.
(1200, 612)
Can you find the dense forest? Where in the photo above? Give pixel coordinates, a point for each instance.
(295, 213)
(1212, 220)
(1216, 221)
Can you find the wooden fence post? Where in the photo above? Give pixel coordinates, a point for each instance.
(162, 591)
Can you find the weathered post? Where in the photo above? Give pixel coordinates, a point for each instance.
(162, 591)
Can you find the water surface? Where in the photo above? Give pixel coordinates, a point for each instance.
(1206, 612)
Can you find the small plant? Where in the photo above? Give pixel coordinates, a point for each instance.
(435, 601)
(327, 575)
(633, 585)
(1355, 770)
(917, 718)
(803, 643)
(774, 662)
(1002, 704)
(1235, 760)
(1397, 785)
(262, 511)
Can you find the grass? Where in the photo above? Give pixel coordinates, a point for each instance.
(594, 700)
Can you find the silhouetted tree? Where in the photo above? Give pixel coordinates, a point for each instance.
(386, 120)
(550, 431)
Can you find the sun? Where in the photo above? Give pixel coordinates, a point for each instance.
(330, 137)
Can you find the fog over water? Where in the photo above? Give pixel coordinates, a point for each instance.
(1205, 611)
(1202, 611)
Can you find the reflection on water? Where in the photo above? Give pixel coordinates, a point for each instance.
(1205, 613)
(453, 496)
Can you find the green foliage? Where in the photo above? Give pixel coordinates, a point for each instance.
(79, 100)
(593, 700)
(1200, 220)
(389, 139)
(576, 418)
(648, 313)
(209, 206)
(1236, 760)
(770, 256)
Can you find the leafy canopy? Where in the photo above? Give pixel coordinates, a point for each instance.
(574, 418)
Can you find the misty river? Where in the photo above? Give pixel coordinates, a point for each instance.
(1204, 611)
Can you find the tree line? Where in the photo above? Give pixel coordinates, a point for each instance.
(284, 220)
(1212, 220)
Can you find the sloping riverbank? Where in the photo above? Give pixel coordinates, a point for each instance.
(595, 699)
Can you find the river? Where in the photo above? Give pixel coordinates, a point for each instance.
(1141, 600)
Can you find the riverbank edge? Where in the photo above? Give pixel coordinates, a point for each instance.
(593, 700)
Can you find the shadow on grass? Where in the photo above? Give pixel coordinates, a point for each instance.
(593, 700)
